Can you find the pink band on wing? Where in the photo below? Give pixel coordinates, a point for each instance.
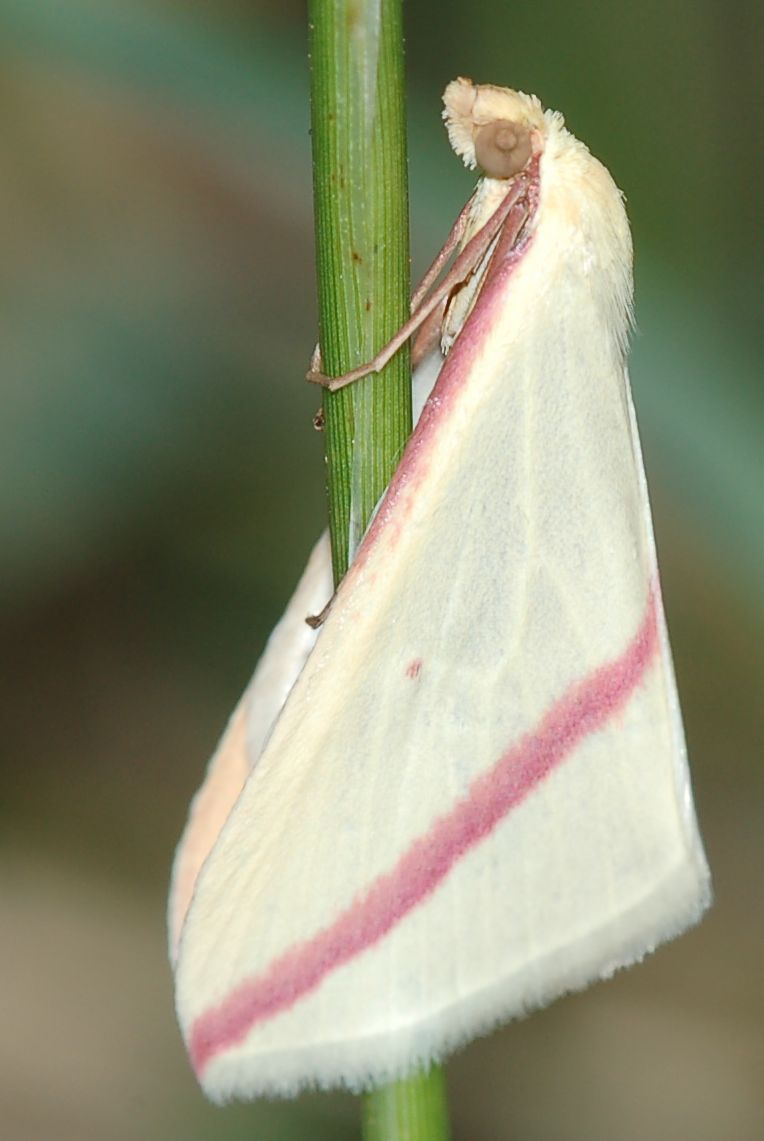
(585, 708)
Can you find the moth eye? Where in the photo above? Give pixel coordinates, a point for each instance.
(502, 148)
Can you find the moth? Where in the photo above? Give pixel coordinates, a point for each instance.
(467, 792)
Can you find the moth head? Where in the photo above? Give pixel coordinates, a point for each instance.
(494, 128)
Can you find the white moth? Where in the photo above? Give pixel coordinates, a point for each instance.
(468, 793)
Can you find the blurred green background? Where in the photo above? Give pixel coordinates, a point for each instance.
(162, 485)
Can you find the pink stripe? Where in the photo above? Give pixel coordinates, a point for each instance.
(584, 709)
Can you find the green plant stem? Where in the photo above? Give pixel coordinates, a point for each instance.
(362, 254)
(411, 1110)
(362, 259)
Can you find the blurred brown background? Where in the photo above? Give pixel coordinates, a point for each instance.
(162, 485)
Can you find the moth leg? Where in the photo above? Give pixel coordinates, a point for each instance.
(317, 620)
(506, 243)
(450, 244)
(463, 265)
(428, 335)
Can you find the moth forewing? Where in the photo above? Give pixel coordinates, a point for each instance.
(476, 796)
